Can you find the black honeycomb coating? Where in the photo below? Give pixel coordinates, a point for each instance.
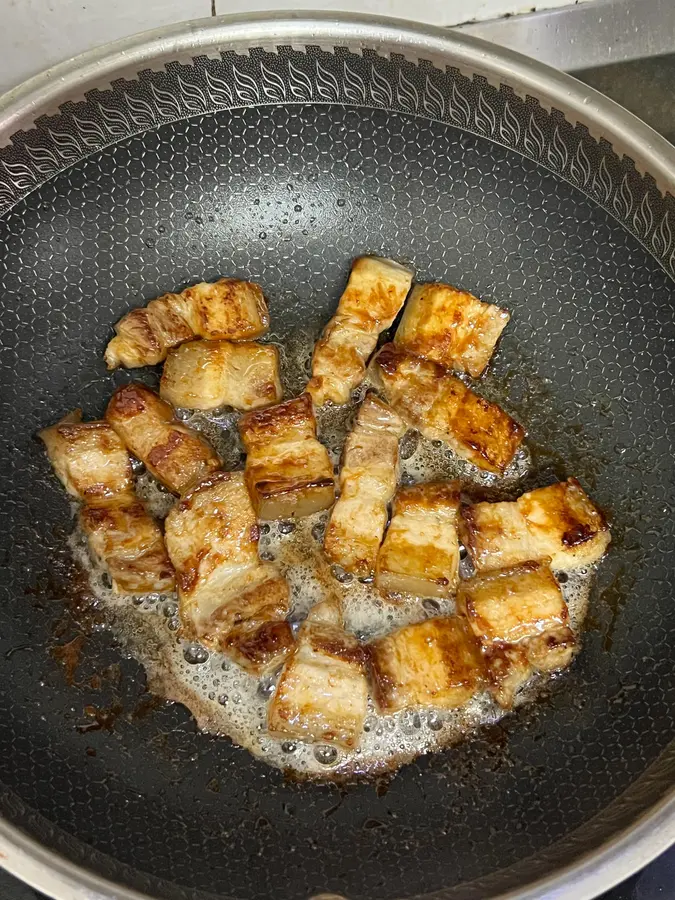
(287, 195)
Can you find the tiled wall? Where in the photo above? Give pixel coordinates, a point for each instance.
(36, 34)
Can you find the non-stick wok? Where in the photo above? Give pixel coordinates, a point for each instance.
(281, 148)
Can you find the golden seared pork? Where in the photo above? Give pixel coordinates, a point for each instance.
(130, 544)
(420, 553)
(565, 524)
(521, 620)
(208, 374)
(93, 465)
(451, 327)
(322, 694)
(495, 535)
(443, 408)
(229, 599)
(288, 471)
(89, 458)
(437, 662)
(371, 301)
(368, 480)
(175, 454)
(228, 309)
(559, 522)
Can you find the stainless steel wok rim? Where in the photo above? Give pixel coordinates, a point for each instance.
(590, 875)
(44, 93)
(653, 831)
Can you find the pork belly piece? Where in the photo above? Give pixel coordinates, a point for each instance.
(367, 483)
(229, 600)
(495, 535)
(257, 636)
(420, 553)
(208, 374)
(433, 663)
(322, 694)
(443, 408)
(371, 301)
(89, 458)
(144, 335)
(565, 524)
(521, 619)
(288, 472)
(130, 544)
(212, 539)
(559, 522)
(175, 454)
(451, 327)
(94, 466)
(228, 309)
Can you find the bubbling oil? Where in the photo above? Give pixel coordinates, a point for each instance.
(227, 701)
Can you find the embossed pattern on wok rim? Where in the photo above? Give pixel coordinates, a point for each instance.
(588, 140)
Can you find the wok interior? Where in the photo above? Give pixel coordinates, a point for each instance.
(287, 196)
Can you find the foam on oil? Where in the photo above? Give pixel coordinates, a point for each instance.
(224, 699)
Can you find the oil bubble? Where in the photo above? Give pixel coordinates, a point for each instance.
(195, 654)
(326, 755)
(265, 688)
(341, 575)
(434, 721)
(408, 444)
(410, 721)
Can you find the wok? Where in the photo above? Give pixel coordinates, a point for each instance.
(280, 148)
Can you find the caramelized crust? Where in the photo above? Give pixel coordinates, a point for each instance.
(521, 619)
(434, 663)
(559, 522)
(565, 524)
(495, 535)
(420, 553)
(175, 454)
(130, 544)
(208, 374)
(212, 537)
(229, 309)
(144, 335)
(371, 301)
(442, 407)
(288, 472)
(322, 694)
(509, 605)
(229, 600)
(89, 458)
(451, 327)
(93, 464)
(367, 483)
(257, 635)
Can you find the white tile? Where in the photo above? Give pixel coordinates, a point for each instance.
(432, 12)
(36, 34)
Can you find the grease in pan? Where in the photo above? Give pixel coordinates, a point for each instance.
(375, 622)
